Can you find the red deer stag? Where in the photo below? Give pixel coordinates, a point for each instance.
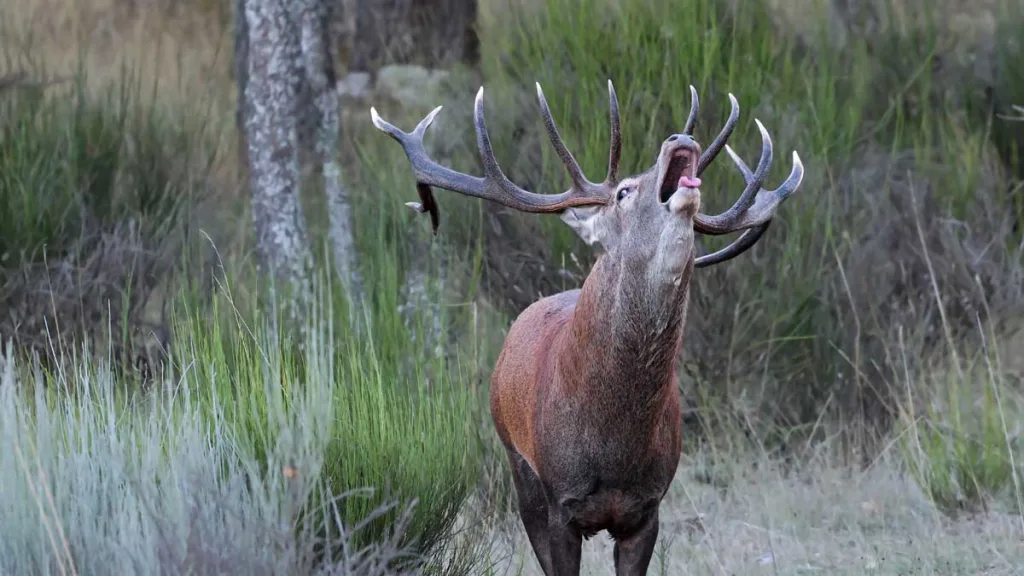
(584, 394)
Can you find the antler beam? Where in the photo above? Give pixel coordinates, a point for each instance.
(494, 185)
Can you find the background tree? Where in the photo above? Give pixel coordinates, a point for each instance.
(321, 113)
(269, 92)
(286, 85)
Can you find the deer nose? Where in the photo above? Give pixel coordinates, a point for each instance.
(680, 139)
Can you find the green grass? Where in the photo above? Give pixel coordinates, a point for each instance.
(405, 428)
(68, 168)
(959, 439)
(247, 444)
(98, 189)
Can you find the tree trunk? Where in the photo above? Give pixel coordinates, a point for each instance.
(270, 93)
(318, 63)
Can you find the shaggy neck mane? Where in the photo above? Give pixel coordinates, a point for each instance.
(626, 333)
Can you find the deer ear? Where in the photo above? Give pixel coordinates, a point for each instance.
(583, 221)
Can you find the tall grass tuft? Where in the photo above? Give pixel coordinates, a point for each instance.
(254, 453)
(97, 189)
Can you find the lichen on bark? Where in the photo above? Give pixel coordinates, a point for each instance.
(271, 132)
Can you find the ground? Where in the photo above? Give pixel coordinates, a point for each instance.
(818, 519)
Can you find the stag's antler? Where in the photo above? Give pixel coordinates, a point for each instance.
(494, 185)
(755, 206)
(754, 209)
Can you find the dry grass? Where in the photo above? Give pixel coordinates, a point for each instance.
(181, 48)
(178, 51)
(822, 519)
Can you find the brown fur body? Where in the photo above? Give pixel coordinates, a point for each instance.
(584, 399)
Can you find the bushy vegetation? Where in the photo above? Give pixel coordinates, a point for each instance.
(96, 193)
(882, 309)
(248, 443)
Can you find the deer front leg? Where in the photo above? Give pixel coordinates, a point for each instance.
(565, 542)
(633, 551)
(533, 509)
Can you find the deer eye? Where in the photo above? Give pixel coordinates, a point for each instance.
(622, 193)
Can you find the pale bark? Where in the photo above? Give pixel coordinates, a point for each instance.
(317, 61)
(271, 131)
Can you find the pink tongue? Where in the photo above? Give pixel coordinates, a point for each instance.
(688, 182)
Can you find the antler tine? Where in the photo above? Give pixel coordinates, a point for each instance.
(790, 185)
(615, 139)
(764, 214)
(740, 164)
(579, 181)
(716, 145)
(792, 182)
(427, 203)
(583, 191)
(737, 247)
(483, 140)
(427, 171)
(728, 221)
(421, 128)
(691, 120)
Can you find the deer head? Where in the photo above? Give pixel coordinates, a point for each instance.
(645, 221)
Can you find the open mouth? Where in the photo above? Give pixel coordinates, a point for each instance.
(681, 173)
